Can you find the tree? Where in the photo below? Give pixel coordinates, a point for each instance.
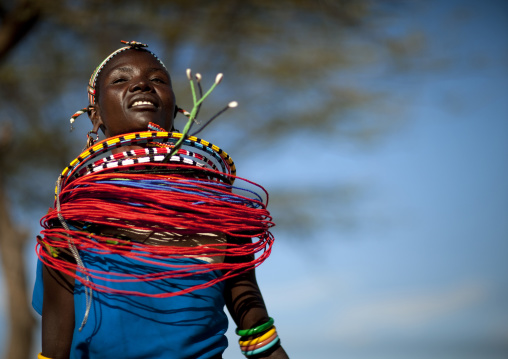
(279, 58)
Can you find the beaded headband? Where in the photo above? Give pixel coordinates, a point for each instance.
(93, 79)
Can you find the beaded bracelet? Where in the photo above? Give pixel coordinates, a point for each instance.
(261, 350)
(247, 348)
(40, 356)
(259, 339)
(258, 329)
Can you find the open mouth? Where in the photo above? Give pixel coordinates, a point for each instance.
(143, 103)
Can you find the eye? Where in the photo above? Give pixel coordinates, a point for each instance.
(118, 80)
(158, 80)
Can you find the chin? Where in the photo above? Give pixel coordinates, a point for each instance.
(141, 124)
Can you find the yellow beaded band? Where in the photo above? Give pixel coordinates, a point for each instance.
(40, 356)
(260, 344)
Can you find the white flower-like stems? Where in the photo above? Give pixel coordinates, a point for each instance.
(197, 106)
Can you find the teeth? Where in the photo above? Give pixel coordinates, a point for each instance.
(140, 103)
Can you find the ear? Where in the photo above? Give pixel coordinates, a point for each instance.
(94, 114)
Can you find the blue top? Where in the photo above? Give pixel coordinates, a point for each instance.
(191, 325)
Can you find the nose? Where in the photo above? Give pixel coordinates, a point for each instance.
(141, 84)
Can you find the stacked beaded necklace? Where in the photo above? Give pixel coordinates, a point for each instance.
(190, 193)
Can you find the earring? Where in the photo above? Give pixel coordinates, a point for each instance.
(90, 140)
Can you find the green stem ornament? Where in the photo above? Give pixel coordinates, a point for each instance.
(196, 107)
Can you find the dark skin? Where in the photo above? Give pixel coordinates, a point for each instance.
(132, 90)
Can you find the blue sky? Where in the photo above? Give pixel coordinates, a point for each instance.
(423, 273)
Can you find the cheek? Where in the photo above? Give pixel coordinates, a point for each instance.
(167, 94)
(169, 107)
(111, 102)
(173, 101)
(110, 114)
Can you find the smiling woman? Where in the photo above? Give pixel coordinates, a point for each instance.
(149, 239)
(135, 89)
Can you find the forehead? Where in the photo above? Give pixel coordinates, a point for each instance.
(133, 59)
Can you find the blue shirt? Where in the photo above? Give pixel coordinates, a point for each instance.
(191, 325)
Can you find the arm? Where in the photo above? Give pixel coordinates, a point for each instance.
(246, 306)
(57, 314)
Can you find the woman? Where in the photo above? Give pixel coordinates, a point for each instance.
(88, 308)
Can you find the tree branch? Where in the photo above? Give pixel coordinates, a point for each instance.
(16, 24)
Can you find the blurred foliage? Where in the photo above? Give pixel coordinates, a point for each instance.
(286, 62)
(296, 214)
(282, 62)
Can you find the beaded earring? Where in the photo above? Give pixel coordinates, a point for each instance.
(77, 114)
(90, 141)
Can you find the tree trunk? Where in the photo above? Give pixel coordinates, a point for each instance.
(21, 321)
(12, 245)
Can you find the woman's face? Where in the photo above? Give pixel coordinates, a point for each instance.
(133, 90)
